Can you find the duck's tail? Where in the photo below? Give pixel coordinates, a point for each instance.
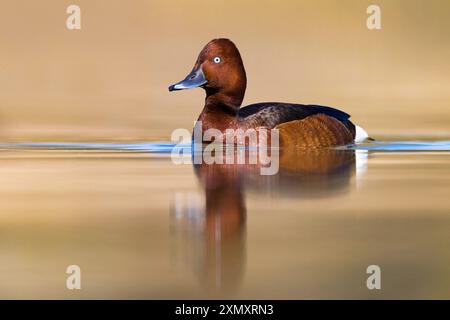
(361, 135)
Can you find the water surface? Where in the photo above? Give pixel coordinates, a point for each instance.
(140, 226)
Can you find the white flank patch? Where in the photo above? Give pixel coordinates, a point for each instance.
(361, 134)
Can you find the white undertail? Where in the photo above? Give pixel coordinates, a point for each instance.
(361, 134)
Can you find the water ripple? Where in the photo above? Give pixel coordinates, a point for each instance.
(167, 147)
(443, 145)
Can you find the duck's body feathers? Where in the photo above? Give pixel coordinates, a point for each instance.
(272, 114)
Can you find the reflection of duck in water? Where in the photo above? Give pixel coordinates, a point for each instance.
(220, 71)
(224, 228)
(220, 247)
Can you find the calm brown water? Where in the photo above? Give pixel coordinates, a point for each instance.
(140, 226)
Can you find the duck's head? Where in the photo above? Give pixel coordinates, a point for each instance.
(220, 71)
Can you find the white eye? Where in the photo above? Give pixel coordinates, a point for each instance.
(217, 60)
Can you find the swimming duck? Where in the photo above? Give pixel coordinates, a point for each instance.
(219, 70)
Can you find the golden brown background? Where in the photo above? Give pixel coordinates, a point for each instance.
(109, 80)
(112, 213)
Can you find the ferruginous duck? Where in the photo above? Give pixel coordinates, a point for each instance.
(219, 70)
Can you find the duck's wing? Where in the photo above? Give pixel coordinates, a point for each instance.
(272, 114)
(304, 126)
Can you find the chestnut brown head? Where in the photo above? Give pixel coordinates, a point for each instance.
(220, 71)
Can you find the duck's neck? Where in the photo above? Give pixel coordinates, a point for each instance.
(220, 111)
(231, 98)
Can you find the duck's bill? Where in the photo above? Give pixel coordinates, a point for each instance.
(194, 79)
